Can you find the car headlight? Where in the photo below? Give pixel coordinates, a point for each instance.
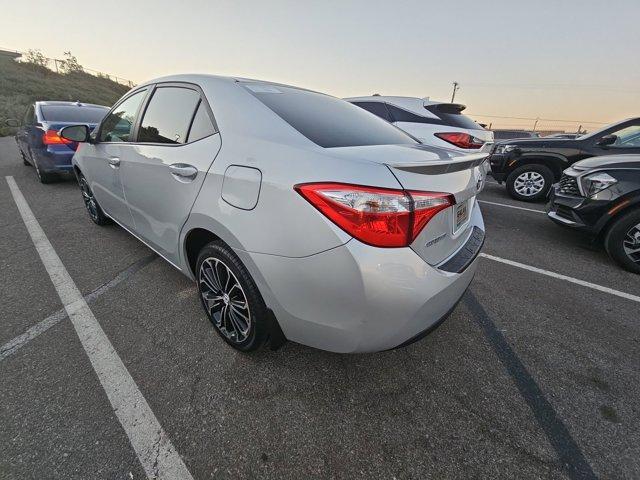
(596, 182)
(502, 149)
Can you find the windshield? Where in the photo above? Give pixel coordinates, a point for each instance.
(328, 121)
(72, 113)
(600, 131)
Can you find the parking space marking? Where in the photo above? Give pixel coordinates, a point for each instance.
(559, 276)
(572, 459)
(12, 346)
(155, 451)
(512, 206)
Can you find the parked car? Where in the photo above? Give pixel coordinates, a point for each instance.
(530, 166)
(601, 197)
(299, 215)
(503, 134)
(38, 140)
(433, 123)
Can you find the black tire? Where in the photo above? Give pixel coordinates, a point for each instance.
(619, 234)
(218, 255)
(534, 170)
(93, 207)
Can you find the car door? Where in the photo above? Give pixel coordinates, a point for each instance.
(627, 141)
(176, 144)
(101, 159)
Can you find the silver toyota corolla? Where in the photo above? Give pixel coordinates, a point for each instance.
(299, 215)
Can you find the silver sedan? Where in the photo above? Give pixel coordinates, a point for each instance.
(299, 215)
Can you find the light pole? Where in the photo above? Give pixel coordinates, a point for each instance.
(456, 87)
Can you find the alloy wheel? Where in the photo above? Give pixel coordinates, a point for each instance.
(528, 184)
(89, 199)
(631, 243)
(224, 299)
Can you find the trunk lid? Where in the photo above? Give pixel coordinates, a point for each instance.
(428, 169)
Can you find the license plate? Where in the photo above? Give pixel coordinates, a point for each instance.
(461, 215)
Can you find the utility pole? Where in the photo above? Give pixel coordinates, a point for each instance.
(536, 124)
(456, 87)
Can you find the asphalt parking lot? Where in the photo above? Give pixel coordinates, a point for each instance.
(532, 376)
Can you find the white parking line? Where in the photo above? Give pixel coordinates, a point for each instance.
(559, 276)
(512, 206)
(15, 344)
(155, 451)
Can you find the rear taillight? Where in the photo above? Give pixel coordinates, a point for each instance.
(382, 217)
(461, 140)
(51, 137)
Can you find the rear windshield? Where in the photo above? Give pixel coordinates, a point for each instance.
(328, 121)
(72, 114)
(453, 119)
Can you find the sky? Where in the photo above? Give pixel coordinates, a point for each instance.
(557, 60)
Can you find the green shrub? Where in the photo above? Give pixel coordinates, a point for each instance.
(23, 83)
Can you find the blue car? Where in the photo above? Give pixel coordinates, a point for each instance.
(38, 139)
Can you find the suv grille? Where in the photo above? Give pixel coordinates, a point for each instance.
(569, 186)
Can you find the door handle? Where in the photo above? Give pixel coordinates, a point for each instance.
(183, 172)
(114, 162)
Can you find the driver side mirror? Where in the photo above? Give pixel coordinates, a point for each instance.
(12, 122)
(607, 140)
(75, 133)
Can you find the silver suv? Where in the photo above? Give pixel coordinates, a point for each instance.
(299, 215)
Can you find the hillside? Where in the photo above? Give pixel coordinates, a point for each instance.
(22, 83)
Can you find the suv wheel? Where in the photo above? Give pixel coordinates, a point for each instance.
(529, 183)
(93, 207)
(231, 298)
(622, 241)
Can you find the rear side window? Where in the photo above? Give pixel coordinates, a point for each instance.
(168, 115)
(328, 121)
(201, 126)
(402, 115)
(379, 109)
(29, 116)
(72, 114)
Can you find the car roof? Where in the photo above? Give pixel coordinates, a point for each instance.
(198, 78)
(68, 104)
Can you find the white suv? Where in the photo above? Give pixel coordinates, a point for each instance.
(433, 123)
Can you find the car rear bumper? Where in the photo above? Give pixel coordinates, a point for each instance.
(357, 298)
(55, 159)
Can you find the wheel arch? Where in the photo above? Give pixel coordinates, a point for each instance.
(555, 163)
(197, 235)
(194, 241)
(607, 223)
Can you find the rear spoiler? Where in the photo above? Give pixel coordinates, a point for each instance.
(465, 162)
(446, 107)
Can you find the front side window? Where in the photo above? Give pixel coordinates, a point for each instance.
(628, 137)
(169, 115)
(118, 126)
(327, 121)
